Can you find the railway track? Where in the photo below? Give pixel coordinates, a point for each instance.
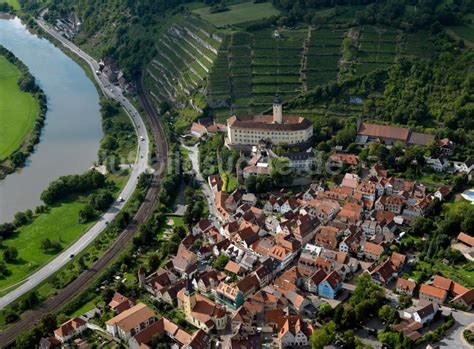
(53, 304)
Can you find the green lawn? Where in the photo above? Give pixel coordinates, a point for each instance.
(86, 307)
(239, 13)
(177, 221)
(60, 224)
(18, 110)
(13, 3)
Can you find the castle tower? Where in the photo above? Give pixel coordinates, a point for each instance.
(189, 297)
(277, 110)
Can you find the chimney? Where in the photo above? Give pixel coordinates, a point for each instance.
(277, 110)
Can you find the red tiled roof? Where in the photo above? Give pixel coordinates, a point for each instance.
(467, 297)
(406, 284)
(433, 291)
(458, 289)
(69, 327)
(232, 267)
(198, 128)
(120, 303)
(327, 236)
(442, 283)
(247, 283)
(265, 122)
(467, 239)
(384, 131)
(350, 159)
(398, 259)
(278, 252)
(372, 248)
(333, 278)
(350, 211)
(318, 276)
(132, 317)
(275, 316)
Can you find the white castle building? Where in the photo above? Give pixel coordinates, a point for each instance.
(277, 128)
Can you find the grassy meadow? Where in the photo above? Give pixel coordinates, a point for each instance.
(60, 223)
(13, 3)
(18, 110)
(239, 13)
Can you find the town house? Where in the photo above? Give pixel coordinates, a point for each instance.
(330, 286)
(130, 322)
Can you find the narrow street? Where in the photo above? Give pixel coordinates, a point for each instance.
(194, 157)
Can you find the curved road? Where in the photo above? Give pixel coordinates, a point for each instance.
(140, 166)
(83, 280)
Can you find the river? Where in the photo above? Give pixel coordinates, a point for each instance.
(70, 138)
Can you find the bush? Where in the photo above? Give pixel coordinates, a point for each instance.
(20, 219)
(10, 254)
(220, 262)
(101, 201)
(87, 214)
(3, 268)
(50, 246)
(469, 336)
(10, 316)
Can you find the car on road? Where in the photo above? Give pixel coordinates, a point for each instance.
(71, 255)
(142, 138)
(121, 199)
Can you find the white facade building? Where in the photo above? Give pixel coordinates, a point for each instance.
(277, 128)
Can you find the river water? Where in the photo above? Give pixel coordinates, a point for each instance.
(70, 138)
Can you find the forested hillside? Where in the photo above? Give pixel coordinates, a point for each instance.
(435, 95)
(409, 15)
(123, 29)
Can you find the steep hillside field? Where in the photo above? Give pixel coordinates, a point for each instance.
(251, 67)
(239, 68)
(186, 51)
(237, 71)
(323, 56)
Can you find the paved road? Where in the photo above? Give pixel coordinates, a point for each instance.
(194, 157)
(140, 166)
(454, 338)
(146, 209)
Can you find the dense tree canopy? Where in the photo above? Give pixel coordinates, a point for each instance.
(385, 12)
(74, 184)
